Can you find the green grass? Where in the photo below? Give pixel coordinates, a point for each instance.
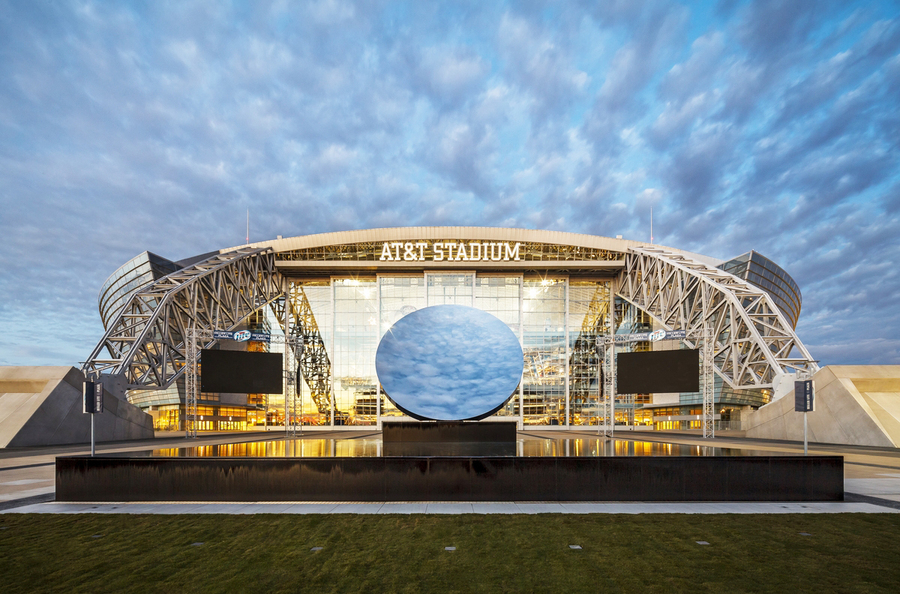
(494, 553)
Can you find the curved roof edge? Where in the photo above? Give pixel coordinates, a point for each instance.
(462, 233)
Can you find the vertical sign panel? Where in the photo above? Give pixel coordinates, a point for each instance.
(92, 397)
(87, 396)
(804, 398)
(98, 397)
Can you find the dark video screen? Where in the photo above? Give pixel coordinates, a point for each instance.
(658, 371)
(241, 372)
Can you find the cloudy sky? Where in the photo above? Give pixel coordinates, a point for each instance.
(156, 125)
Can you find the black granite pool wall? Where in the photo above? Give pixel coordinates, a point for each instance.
(649, 478)
(452, 432)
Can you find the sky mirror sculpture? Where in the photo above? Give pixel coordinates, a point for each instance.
(449, 362)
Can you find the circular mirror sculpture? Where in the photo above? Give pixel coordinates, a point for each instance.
(449, 363)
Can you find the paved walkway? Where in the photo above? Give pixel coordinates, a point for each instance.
(28, 474)
(452, 508)
(872, 482)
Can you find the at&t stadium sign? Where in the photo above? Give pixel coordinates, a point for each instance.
(450, 251)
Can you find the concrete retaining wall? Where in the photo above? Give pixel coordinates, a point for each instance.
(855, 405)
(43, 406)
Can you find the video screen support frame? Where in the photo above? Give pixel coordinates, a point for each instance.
(195, 336)
(606, 347)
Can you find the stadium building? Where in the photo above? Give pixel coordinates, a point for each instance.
(326, 300)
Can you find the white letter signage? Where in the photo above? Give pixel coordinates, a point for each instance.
(452, 251)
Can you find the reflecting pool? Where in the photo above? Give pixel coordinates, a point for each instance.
(312, 447)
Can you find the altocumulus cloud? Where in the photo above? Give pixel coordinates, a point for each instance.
(766, 125)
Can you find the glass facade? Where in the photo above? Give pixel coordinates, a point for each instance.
(544, 345)
(771, 278)
(138, 272)
(354, 340)
(588, 319)
(211, 418)
(501, 296)
(398, 296)
(556, 321)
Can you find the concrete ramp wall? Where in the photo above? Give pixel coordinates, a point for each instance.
(855, 404)
(43, 406)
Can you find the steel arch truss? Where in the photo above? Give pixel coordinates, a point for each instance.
(752, 341)
(312, 358)
(147, 340)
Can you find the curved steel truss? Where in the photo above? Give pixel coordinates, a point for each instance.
(753, 342)
(146, 341)
(314, 362)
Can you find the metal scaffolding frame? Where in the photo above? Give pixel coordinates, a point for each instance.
(606, 347)
(195, 338)
(191, 383)
(703, 336)
(606, 383)
(606, 369)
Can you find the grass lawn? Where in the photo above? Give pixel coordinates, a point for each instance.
(406, 553)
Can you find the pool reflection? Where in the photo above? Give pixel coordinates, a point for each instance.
(373, 447)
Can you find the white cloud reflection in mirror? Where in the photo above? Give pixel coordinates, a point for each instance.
(449, 362)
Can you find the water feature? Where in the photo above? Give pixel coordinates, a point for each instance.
(372, 446)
